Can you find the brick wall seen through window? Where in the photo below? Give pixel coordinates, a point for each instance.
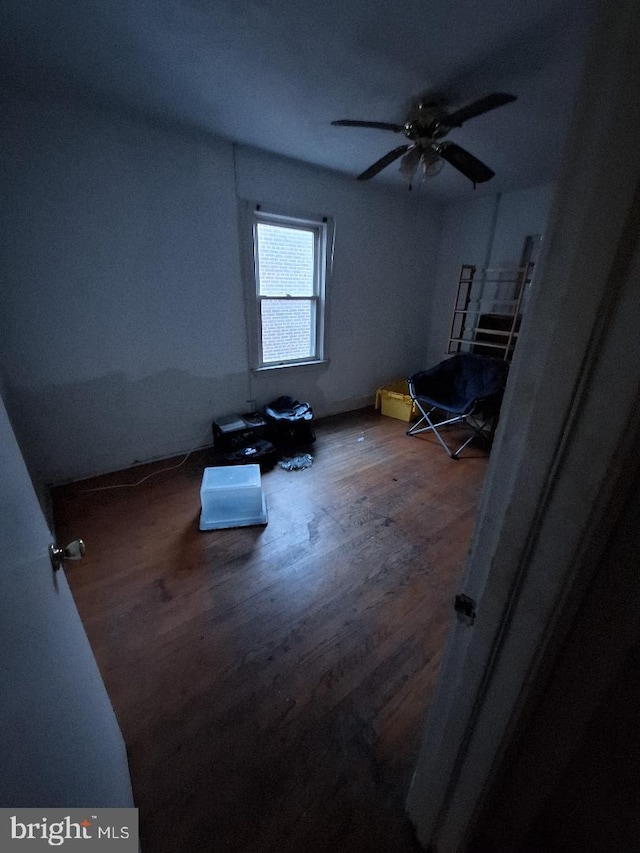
(289, 289)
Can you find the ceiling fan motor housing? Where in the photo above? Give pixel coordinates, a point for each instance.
(425, 121)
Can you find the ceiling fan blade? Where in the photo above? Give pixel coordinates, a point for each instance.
(383, 162)
(379, 125)
(464, 162)
(477, 108)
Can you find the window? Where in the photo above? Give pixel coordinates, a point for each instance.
(289, 263)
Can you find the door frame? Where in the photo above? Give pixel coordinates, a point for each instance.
(568, 423)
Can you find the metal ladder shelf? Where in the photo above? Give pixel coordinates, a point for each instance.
(488, 309)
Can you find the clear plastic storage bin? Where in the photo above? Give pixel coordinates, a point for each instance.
(232, 497)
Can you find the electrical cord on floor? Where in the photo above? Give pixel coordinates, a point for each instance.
(152, 474)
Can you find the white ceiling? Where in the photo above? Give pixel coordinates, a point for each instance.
(275, 73)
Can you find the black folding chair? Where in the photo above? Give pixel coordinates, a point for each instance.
(467, 389)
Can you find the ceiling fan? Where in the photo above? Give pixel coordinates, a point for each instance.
(426, 126)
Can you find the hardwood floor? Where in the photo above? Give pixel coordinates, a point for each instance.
(271, 682)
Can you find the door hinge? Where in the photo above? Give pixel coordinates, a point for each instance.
(465, 608)
(74, 551)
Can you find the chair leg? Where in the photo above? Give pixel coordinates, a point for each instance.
(430, 426)
(417, 428)
(476, 430)
(414, 428)
(457, 453)
(425, 424)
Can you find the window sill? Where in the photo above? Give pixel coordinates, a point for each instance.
(270, 367)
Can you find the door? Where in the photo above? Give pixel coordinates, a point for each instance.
(564, 449)
(59, 739)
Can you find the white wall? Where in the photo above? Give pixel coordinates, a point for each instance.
(384, 266)
(122, 313)
(488, 231)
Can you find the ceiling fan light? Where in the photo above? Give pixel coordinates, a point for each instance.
(432, 166)
(409, 163)
(408, 171)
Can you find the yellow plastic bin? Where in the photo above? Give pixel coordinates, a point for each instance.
(394, 401)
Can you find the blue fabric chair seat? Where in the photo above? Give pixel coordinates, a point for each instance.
(466, 387)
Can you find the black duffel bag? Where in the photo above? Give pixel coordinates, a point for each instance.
(289, 422)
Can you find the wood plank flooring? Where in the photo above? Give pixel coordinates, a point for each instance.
(271, 682)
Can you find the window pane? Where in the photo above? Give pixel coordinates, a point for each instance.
(287, 330)
(285, 260)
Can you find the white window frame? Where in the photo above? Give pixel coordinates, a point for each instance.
(322, 229)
